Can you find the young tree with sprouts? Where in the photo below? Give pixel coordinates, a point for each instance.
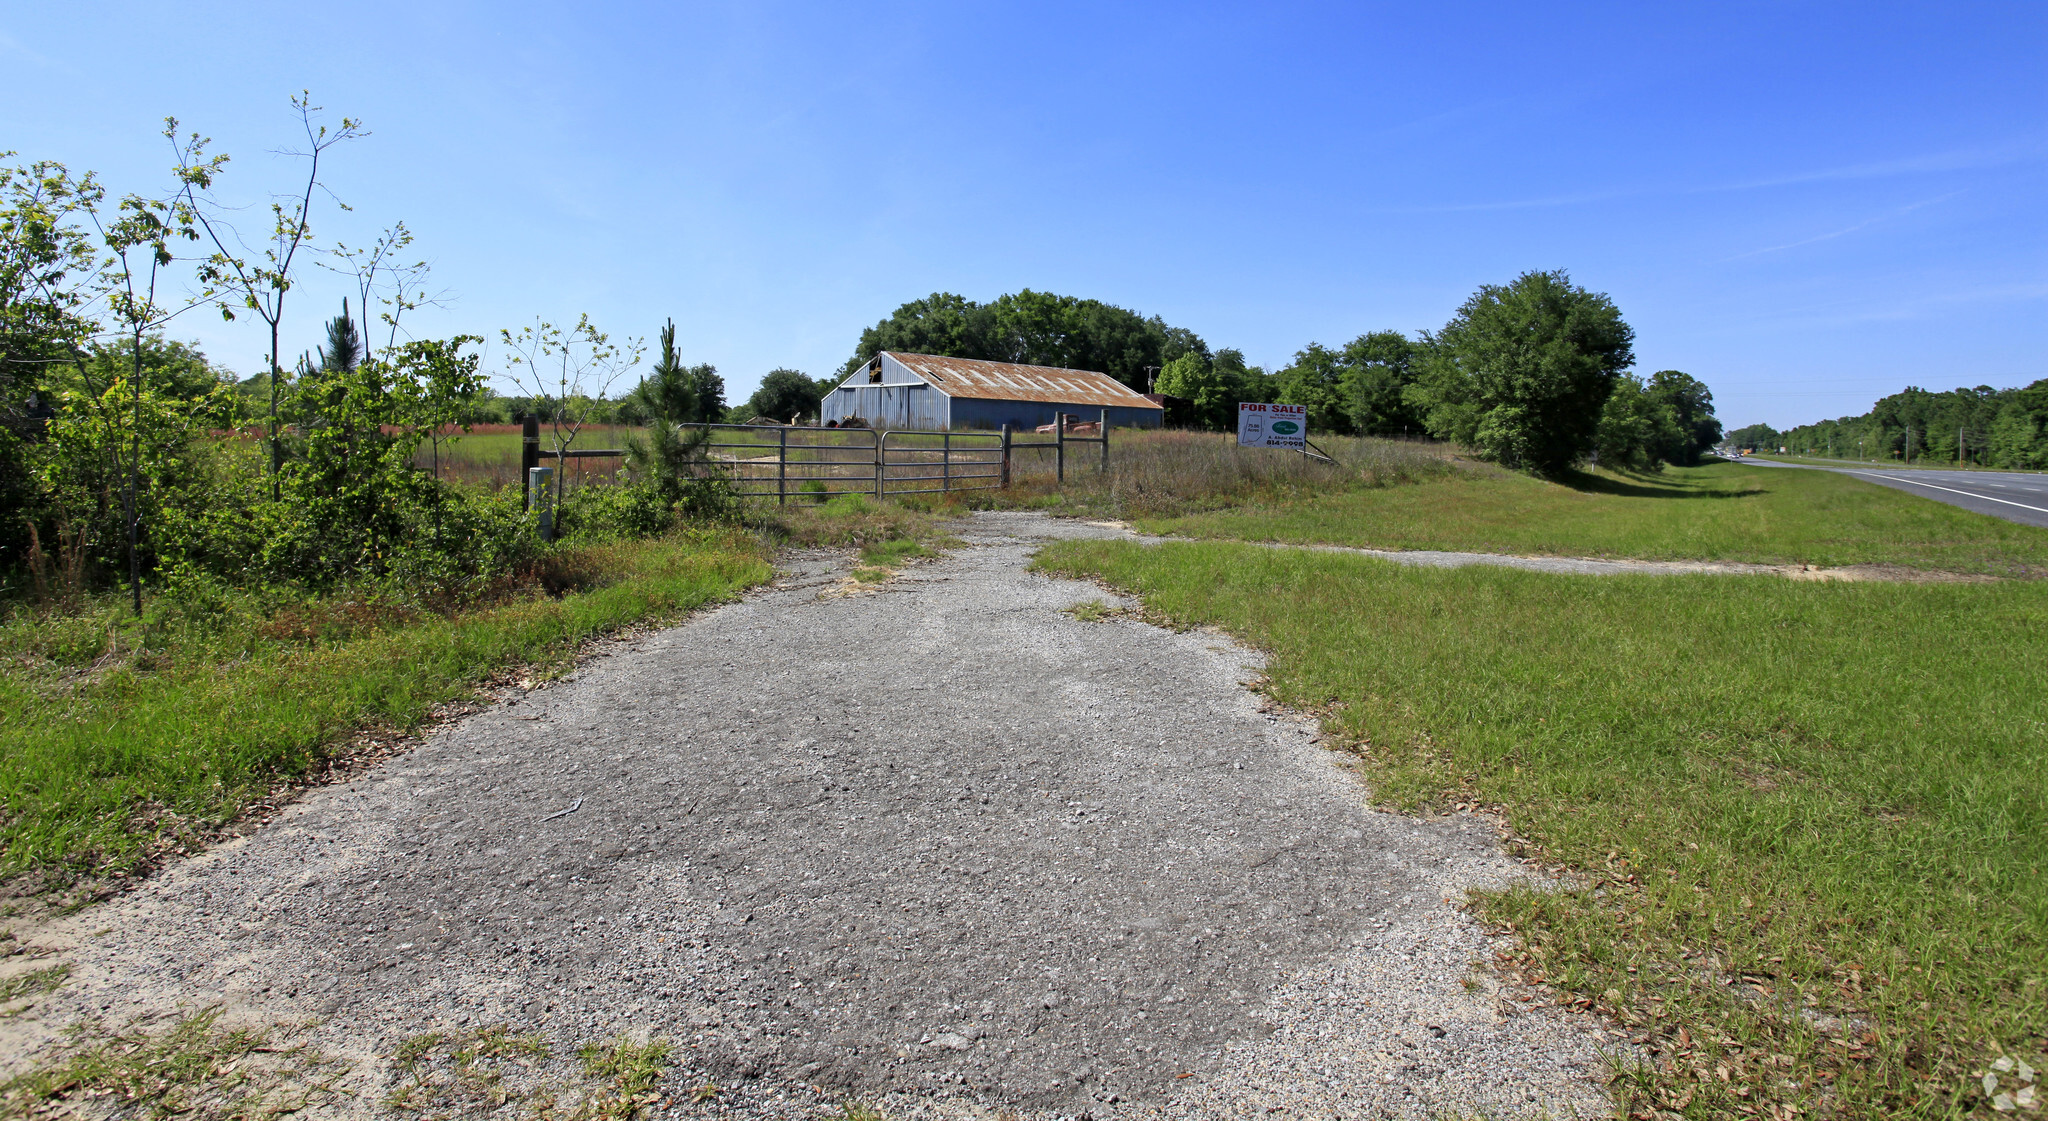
(564, 371)
(239, 278)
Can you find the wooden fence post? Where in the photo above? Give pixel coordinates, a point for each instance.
(1102, 430)
(1059, 438)
(1006, 456)
(881, 462)
(946, 470)
(782, 467)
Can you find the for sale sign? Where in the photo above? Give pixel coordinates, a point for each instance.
(1272, 426)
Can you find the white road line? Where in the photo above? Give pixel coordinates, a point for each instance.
(1951, 490)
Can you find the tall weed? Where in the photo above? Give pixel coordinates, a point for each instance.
(1169, 473)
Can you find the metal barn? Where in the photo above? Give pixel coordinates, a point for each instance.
(930, 392)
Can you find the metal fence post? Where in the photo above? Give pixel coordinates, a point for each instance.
(1006, 457)
(540, 497)
(1102, 430)
(529, 451)
(1059, 439)
(782, 468)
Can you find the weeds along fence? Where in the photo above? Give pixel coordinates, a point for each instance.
(1152, 472)
(773, 462)
(1170, 472)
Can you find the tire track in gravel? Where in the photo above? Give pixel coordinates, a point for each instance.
(940, 847)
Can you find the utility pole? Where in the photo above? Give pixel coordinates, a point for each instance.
(1149, 371)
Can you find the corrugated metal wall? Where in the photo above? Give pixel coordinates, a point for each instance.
(981, 412)
(889, 406)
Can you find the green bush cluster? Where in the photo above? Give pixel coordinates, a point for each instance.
(336, 497)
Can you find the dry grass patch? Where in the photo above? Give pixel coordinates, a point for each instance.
(1173, 473)
(193, 1069)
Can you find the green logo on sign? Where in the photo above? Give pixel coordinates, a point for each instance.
(1286, 427)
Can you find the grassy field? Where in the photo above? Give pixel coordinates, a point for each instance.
(121, 740)
(1802, 856)
(488, 455)
(1720, 511)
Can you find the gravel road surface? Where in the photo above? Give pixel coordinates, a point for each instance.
(939, 847)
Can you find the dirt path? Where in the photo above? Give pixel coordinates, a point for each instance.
(1600, 566)
(941, 847)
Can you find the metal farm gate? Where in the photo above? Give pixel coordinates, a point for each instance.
(767, 461)
(816, 464)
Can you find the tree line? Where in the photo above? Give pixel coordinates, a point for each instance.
(1982, 426)
(1533, 373)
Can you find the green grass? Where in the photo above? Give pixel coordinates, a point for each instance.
(1720, 511)
(1803, 827)
(118, 739)
(893, 554)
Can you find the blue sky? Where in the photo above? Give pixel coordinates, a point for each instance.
(1807, 205)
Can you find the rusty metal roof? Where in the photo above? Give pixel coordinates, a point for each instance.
(1009, 381)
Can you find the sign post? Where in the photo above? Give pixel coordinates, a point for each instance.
(1272, 426)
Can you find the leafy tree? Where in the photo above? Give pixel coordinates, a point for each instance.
(1759, 436)
(1248, 383)
(1196, 377)
(49, 277)
(2019, 432)
(1637, 426)
(1179, 341)
(176, 370)
(382, 275)
(1037, 328)
(256, 280)
(1523, 370)
(1316, 380)
(138, 236)
(48, 270)
(1044, 329)
(784, 395)
(1378, 369)
(707, 390)
(439, 388)
(96, 444)
(941, 323)
(1690, 428)
(565, 370)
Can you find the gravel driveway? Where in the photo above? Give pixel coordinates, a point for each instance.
(939, 847)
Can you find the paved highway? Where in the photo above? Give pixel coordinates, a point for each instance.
(2013, 495)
